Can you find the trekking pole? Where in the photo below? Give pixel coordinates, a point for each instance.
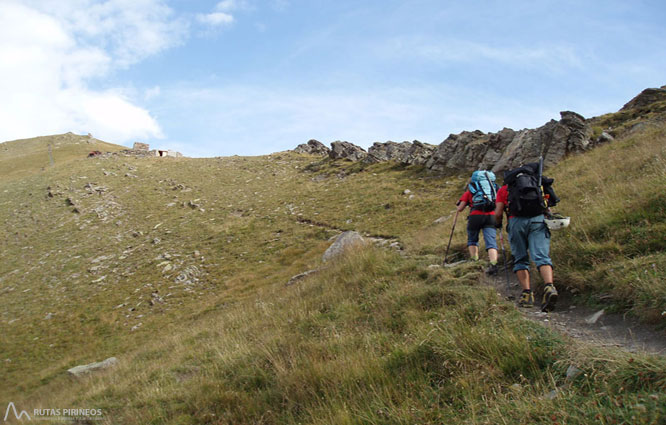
(451, 237)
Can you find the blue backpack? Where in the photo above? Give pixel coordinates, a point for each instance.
(483, 189)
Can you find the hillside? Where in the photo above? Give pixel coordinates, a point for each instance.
(178, 267)
(21, 158)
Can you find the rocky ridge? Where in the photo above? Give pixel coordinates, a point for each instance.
(506, 149)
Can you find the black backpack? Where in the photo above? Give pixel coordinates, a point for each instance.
(526, 198)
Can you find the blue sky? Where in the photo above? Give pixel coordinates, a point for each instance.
(252, 77)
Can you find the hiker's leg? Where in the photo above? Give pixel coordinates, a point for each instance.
(473, 251)
(489, 237)
(473, 237)
(518, 232)
(524, 278)
(546, 272)
(539, 244)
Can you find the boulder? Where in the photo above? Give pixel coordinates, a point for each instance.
(346, 150)
(604, 137)
(343, 242)
(79, 371)
(313, 147)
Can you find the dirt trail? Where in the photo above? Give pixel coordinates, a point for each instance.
(578, 322)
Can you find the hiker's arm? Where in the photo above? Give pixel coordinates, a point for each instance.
(461, 205)
(499, 213)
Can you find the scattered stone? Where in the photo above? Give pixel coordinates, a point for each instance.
(605, 138)
(48, 316)
(342, 243)
(573, 372)
(301, 276)
(79, 371)
(594, 318)
(189, 276)
(406, 192)
(135, 327)
(516, 388)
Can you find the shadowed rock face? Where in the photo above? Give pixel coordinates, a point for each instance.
(313, 147)
(346, 150)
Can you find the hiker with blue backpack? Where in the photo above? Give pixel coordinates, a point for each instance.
(527, 196)
(480, 196)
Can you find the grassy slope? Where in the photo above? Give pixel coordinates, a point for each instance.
(22, 158)
(615, 251)
(377, 338)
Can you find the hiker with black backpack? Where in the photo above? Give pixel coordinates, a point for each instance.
(480, 196)
(527, 196)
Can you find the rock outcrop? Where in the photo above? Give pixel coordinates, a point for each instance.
(346, 150)
(414, 153)
(313, 147)
(388, 151)
(508, 148)
(418, 153)
(646, 97)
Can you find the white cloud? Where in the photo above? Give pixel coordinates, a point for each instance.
(226, 5)
(53, 51)
(257, 120)
(555, 57)
(215, 19)
(152, 93)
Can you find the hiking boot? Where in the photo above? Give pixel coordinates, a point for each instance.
(526, 299)
(491, 270)
(549, 298)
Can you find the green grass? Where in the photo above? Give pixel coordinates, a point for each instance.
(378, 337)
(616, 242)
